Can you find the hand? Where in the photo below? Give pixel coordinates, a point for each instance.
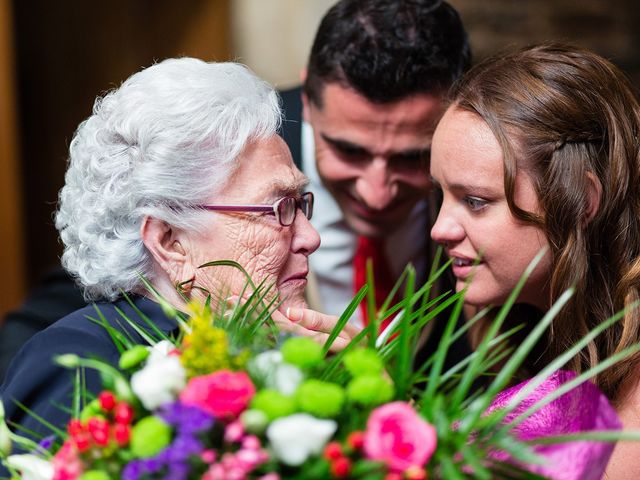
(313, 324)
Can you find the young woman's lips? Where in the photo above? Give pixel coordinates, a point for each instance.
(464, 267)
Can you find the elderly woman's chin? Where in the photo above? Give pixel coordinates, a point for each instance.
(292, 294)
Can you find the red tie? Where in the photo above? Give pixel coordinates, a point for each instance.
(372, 248)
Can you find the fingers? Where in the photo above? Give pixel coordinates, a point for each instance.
(309, 323)
(319, 322)
(321, 338)
(316, 325)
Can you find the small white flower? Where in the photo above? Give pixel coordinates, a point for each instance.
(296, 437)
(161, 379)
(160, 351)
(31, 467)
(269, 368)
(264, 364)
(286, 379)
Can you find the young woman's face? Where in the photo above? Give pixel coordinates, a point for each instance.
(475, 224)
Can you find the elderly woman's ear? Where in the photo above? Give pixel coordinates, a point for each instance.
(169, 247)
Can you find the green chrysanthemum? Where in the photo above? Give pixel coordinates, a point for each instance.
(369, 390)
(321, 399)
(363, 361)
(273, 404)
(149, 436)
(302, 352)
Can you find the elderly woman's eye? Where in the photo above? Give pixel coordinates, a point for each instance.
(475, 204)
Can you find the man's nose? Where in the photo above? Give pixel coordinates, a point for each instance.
(306, 238)
(375, 187)
(447, 229)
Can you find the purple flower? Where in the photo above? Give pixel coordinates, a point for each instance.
(186, 419)
(47, 442)
(174, 458)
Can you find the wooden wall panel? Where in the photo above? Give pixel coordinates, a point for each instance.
(11, 228)
(69, 52)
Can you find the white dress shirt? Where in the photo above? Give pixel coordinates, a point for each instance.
(331, 264)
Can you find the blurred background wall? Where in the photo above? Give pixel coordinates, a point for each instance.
(55, 57)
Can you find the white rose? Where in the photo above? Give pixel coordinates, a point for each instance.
(286, 379)
(31, 467)
(161, 379)
(269, 368)
(296, 437)
(160, 351)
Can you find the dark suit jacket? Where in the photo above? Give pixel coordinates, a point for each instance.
(291, 129)
(47, 389)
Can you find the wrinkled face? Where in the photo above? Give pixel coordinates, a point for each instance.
(475, 221)
(373, 158)
(268, 251)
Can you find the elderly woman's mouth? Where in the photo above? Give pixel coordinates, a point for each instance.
(299, 277)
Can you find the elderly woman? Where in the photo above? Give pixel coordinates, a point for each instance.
(179, 166)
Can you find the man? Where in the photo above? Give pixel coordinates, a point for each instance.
(373, 92)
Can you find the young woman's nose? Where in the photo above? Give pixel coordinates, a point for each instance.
(447, 230)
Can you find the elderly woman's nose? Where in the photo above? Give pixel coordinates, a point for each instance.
(306, 238)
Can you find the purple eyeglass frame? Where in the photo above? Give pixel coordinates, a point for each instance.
(273, 209)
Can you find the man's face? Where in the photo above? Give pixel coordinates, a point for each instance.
(373, 158)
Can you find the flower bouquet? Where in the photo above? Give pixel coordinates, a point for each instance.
(231, 398)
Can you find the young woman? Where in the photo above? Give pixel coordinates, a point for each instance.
(539, 149)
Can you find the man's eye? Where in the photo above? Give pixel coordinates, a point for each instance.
(351, 153)
(475, 204)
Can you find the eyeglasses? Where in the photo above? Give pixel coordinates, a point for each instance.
(284, 209)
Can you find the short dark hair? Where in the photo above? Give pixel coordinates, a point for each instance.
(388, 50)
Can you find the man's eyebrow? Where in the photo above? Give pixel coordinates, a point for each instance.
(343, 144)
(347, 146)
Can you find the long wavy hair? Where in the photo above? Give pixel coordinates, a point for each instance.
(568, 117)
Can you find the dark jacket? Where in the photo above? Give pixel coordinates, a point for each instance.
(43, 387)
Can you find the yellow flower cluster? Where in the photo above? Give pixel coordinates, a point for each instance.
(206, 348)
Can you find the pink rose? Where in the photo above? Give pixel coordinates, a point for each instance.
(399, 437)
(224, 394)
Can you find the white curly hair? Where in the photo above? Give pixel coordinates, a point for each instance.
(165, 140)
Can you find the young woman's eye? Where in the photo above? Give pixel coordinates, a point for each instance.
(475, 204)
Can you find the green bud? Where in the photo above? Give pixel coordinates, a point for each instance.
(91, 409)
(363, 361)
(302, 352)
(321, 399)
(5, 435)
(273, 404)
(369, 390)
(68, 360)
(123, 390)
(133, 357)
(94, 475)
(149, 436)
(5, 441)
(254, 421)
